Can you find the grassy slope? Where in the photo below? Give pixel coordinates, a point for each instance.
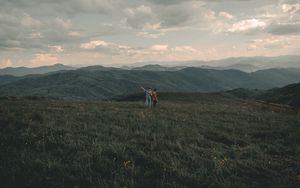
(286, 95)
(188, 141)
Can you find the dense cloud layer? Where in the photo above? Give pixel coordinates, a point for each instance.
(142, 30)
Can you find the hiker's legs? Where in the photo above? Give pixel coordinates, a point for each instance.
(149, 102)
(154, 104)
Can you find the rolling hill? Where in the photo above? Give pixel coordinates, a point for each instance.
(105, 84)
(5, 79)
(289, 95)
(22, 71)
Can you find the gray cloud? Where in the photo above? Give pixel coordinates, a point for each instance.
(61, 26)
(284, 19)
(178, 14)
(284, 29)
(174, 15)
(23, 31)
(137, 17)
(172, 2)
(169, 2)
(67, 6)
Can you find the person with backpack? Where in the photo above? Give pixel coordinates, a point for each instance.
(154, 97)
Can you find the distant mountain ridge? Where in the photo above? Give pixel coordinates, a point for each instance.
(22, 71)
(261, 62)
(98, 68)
(245, 64)
(157, 67)
(106, 84)
(241, 67)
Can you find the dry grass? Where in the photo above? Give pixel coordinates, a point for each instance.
(188, 141)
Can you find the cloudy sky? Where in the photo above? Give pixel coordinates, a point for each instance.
(85, 32)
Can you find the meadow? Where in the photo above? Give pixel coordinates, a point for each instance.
(189, 140)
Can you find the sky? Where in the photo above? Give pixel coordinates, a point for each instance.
(120, 32)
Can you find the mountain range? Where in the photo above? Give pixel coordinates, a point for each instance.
(99, 83)
(260, 62)
(245, 64)
(22, 71)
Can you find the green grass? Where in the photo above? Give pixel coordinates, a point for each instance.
(188, 141)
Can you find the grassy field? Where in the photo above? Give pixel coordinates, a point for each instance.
(190, 140)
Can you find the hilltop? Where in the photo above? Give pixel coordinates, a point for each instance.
(190, 140)
(289, 95)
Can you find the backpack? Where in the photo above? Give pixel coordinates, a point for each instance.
(154, 96)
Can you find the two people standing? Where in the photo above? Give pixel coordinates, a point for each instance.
(151, 97)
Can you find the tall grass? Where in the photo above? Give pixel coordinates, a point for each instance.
(188, 141)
